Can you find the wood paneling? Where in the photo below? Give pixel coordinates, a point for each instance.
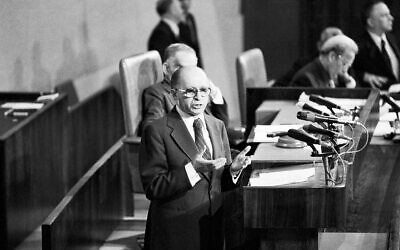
(32, 162)
(94, 125)
(91, 209)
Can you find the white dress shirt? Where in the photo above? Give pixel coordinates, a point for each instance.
(192, 174)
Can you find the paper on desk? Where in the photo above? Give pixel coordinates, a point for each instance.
(261, 131)
(394, 88)
(382, 128)
(281, 177)
(22, 105)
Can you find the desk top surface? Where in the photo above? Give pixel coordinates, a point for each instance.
(11, 118)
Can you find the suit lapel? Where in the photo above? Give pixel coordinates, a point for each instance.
(181, 135)
(170, 99)
(394, 46)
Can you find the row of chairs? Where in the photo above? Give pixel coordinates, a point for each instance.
(140, 71)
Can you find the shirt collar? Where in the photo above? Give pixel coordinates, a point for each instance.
(173, 25)
(378, 39)
(189, 119)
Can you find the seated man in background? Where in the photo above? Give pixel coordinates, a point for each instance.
(327, 33)
(377, 63)
(157, 100)
(330, 68)
(185, 165)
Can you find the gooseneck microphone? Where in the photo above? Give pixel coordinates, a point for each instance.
(323, 101)
(387, 98)
(310, 128)
(283, 133)
(308, 116)
(306, 106)
(301, 135)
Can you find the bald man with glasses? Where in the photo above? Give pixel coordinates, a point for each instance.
(185, 165)
(157, 100)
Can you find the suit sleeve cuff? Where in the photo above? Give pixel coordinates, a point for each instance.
(193, 176)
(236, 175)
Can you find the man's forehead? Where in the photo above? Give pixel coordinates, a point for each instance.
(193, 79)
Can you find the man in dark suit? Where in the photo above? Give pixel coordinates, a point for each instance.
(157, 99)
(188, 30)
(330, 68)
(167, 30)
(377, 63)
(185, 165)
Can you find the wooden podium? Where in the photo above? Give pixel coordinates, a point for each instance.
(32, 164)
(290, 216)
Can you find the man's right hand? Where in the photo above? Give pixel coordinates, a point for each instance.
(202, 165)
(374, 80)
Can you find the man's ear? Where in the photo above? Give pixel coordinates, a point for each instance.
(369, 22)
(332, 56)
(165, 68)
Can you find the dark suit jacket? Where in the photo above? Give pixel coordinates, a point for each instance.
(188, 35)
(370, 59)
(182, 216)
(161, 37)
(157, 101)
(314, 75)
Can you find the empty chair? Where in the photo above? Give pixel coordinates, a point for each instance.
(250, 72)
(137, 73)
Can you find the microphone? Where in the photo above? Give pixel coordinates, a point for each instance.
(308, 116)
(387, 98)
(308, 107)
(274, 134)
(305, 137)
(323, 101)
(316, 130)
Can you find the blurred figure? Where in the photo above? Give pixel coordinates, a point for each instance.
(377, 63)
(188, 30)
(167, 30)
(157, 99)
(298, 64)
(330, 68)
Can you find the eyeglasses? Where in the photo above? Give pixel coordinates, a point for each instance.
(192, 92)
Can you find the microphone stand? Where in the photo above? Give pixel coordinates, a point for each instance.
(329, 160)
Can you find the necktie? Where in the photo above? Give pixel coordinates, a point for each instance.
(199, 139)
(386, 55)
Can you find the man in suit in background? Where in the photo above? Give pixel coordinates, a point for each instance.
(157, 99)
(185, 165)
(167, 30)
(188, 30)
(326, 33)
(377, 63)
(330, 68)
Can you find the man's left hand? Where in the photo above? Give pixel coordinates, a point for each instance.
(241, 161)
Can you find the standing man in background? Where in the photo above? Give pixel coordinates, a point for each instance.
(377, 63)
(167, 30)
(188, 30)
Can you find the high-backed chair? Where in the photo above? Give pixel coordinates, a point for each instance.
(137, 73)
(250, 72)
